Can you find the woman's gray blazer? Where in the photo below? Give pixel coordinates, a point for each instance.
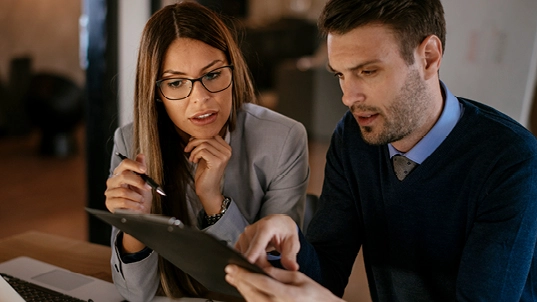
(267, 174)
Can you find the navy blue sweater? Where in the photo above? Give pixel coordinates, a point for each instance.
(461, 227)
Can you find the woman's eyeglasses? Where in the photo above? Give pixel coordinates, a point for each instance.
(216, 80)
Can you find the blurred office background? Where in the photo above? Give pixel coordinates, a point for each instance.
(67, 73)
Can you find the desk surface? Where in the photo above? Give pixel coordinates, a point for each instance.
(74, 255)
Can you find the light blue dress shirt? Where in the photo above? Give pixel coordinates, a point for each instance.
(451, 114)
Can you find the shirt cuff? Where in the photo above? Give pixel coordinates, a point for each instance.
(131, 257)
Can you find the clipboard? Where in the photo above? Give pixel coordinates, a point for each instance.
(198, 254)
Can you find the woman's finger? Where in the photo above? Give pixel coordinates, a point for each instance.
(209, 152)
(114, 203)
(132, 165)
(128, 178)
(217, 142)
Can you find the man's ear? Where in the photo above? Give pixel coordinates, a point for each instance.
(430, 52)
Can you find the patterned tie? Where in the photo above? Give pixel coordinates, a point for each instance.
(402, 166)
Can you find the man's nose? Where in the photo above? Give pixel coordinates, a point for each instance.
(352, 92)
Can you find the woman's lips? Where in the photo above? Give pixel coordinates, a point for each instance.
(204, 119)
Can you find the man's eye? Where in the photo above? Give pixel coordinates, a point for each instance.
(212, 75)
(338, 75)
(368, 72)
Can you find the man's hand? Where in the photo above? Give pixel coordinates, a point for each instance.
(274, 232)
(286, 286)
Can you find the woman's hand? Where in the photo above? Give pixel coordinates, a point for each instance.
(212, 156)
(127, 190)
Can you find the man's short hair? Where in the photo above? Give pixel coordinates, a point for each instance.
(411, 20)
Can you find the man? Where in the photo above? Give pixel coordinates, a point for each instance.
(457, 221)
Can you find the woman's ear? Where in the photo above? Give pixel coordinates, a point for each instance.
(430, 52)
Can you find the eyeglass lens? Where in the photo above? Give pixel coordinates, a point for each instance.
(214, 81)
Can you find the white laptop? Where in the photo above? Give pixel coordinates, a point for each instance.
(76, 285)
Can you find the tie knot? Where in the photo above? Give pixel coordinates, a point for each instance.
(402, 166)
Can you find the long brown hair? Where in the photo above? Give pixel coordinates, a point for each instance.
(154, 132)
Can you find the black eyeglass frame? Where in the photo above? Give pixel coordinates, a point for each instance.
(159, 82)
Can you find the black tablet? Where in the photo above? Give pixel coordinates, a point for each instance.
(198, 254)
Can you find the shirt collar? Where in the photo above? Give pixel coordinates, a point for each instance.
(227, 136)
(451, 114)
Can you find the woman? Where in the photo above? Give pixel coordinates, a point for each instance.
(222, 161)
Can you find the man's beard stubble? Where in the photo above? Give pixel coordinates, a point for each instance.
(403, 116)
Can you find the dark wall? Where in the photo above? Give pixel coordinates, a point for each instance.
(101, 105)
(235, 8)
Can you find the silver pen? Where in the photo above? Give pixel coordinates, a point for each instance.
(146, 178)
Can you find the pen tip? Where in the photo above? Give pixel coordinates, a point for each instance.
(160, 191)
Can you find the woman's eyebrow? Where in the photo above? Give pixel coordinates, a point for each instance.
(175, 72)
(211, 64)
